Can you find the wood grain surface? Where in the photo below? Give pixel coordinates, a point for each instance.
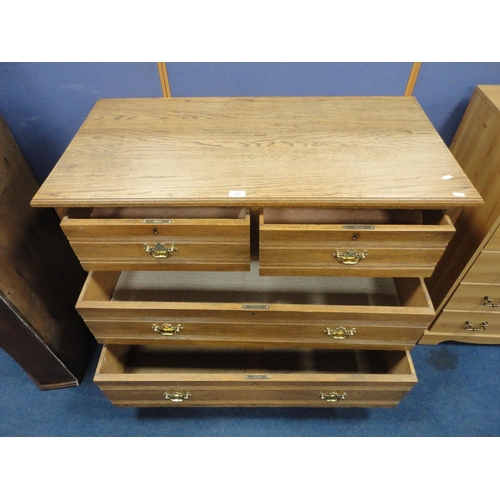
(285, 151)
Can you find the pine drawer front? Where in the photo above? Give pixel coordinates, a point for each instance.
(486, 268)
(109, 239)
(469, 326)
(146, 376)
(478, 297)
(121, 309)
(494, 241)
(402, 250)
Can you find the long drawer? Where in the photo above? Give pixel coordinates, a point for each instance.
(352, 243)
(190, 239)
(245, 309)
(165, 376)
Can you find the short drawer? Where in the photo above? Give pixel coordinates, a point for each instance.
(478, 297)
(325, 242)
(486, 268)
(469, 326)
(245, 309)
(494, 241)
(165, 376)
(189, 239)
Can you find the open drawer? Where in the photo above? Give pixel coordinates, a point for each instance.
(165, 376)
(245, 309)
(341, 242)
(190, 239)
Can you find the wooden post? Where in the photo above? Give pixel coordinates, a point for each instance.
(165, 86)
(412, 80)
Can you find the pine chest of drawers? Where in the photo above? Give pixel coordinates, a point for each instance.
(257, 251)
(465, 288)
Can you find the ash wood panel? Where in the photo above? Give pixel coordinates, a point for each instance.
(307, 151)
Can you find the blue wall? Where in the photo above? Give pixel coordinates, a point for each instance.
(44, 104)
(264, 79)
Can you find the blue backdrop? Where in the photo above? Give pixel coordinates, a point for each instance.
(44, 104)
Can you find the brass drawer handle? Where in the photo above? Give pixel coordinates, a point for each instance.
(340, 333)
(166, 329)
(350, 257)
(177, 396)
(470, 327)
(488, 302)
(160, 251)
(332, 397)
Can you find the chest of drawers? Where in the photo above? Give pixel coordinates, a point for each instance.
(257, 251)
(465, 287)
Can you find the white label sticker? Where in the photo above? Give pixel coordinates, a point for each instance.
(461, 195)
(237, 194)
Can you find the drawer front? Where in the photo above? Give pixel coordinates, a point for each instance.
(152, 244)
(474, 324)
(168, 329)
(486, 269)
(494, 241)
(290, 380)
(125, 317)
(352, 250)
(181, 255)
(477, 297)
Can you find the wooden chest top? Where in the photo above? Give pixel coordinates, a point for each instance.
(265, 151)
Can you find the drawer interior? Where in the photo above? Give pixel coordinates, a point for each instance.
(248, 287)
(278, 215)
(161, 213)
(146, 359)
(241, 287)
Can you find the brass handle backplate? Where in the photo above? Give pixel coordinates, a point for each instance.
(332, 397)
(166, 329)
(470, 327)
(488, 302)
(350, 257)
(340, 333)
(160, 251)
(177, 396)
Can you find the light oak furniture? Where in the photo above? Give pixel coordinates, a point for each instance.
(465, 287)
(40, 279)
(257, 251)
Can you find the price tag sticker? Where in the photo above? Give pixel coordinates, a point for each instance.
(237, 194)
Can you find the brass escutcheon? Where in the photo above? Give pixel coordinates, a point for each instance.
(166, 329)
(340, 333)
(160, 251)
(177, 396)
(350, 257)
(332, 397)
